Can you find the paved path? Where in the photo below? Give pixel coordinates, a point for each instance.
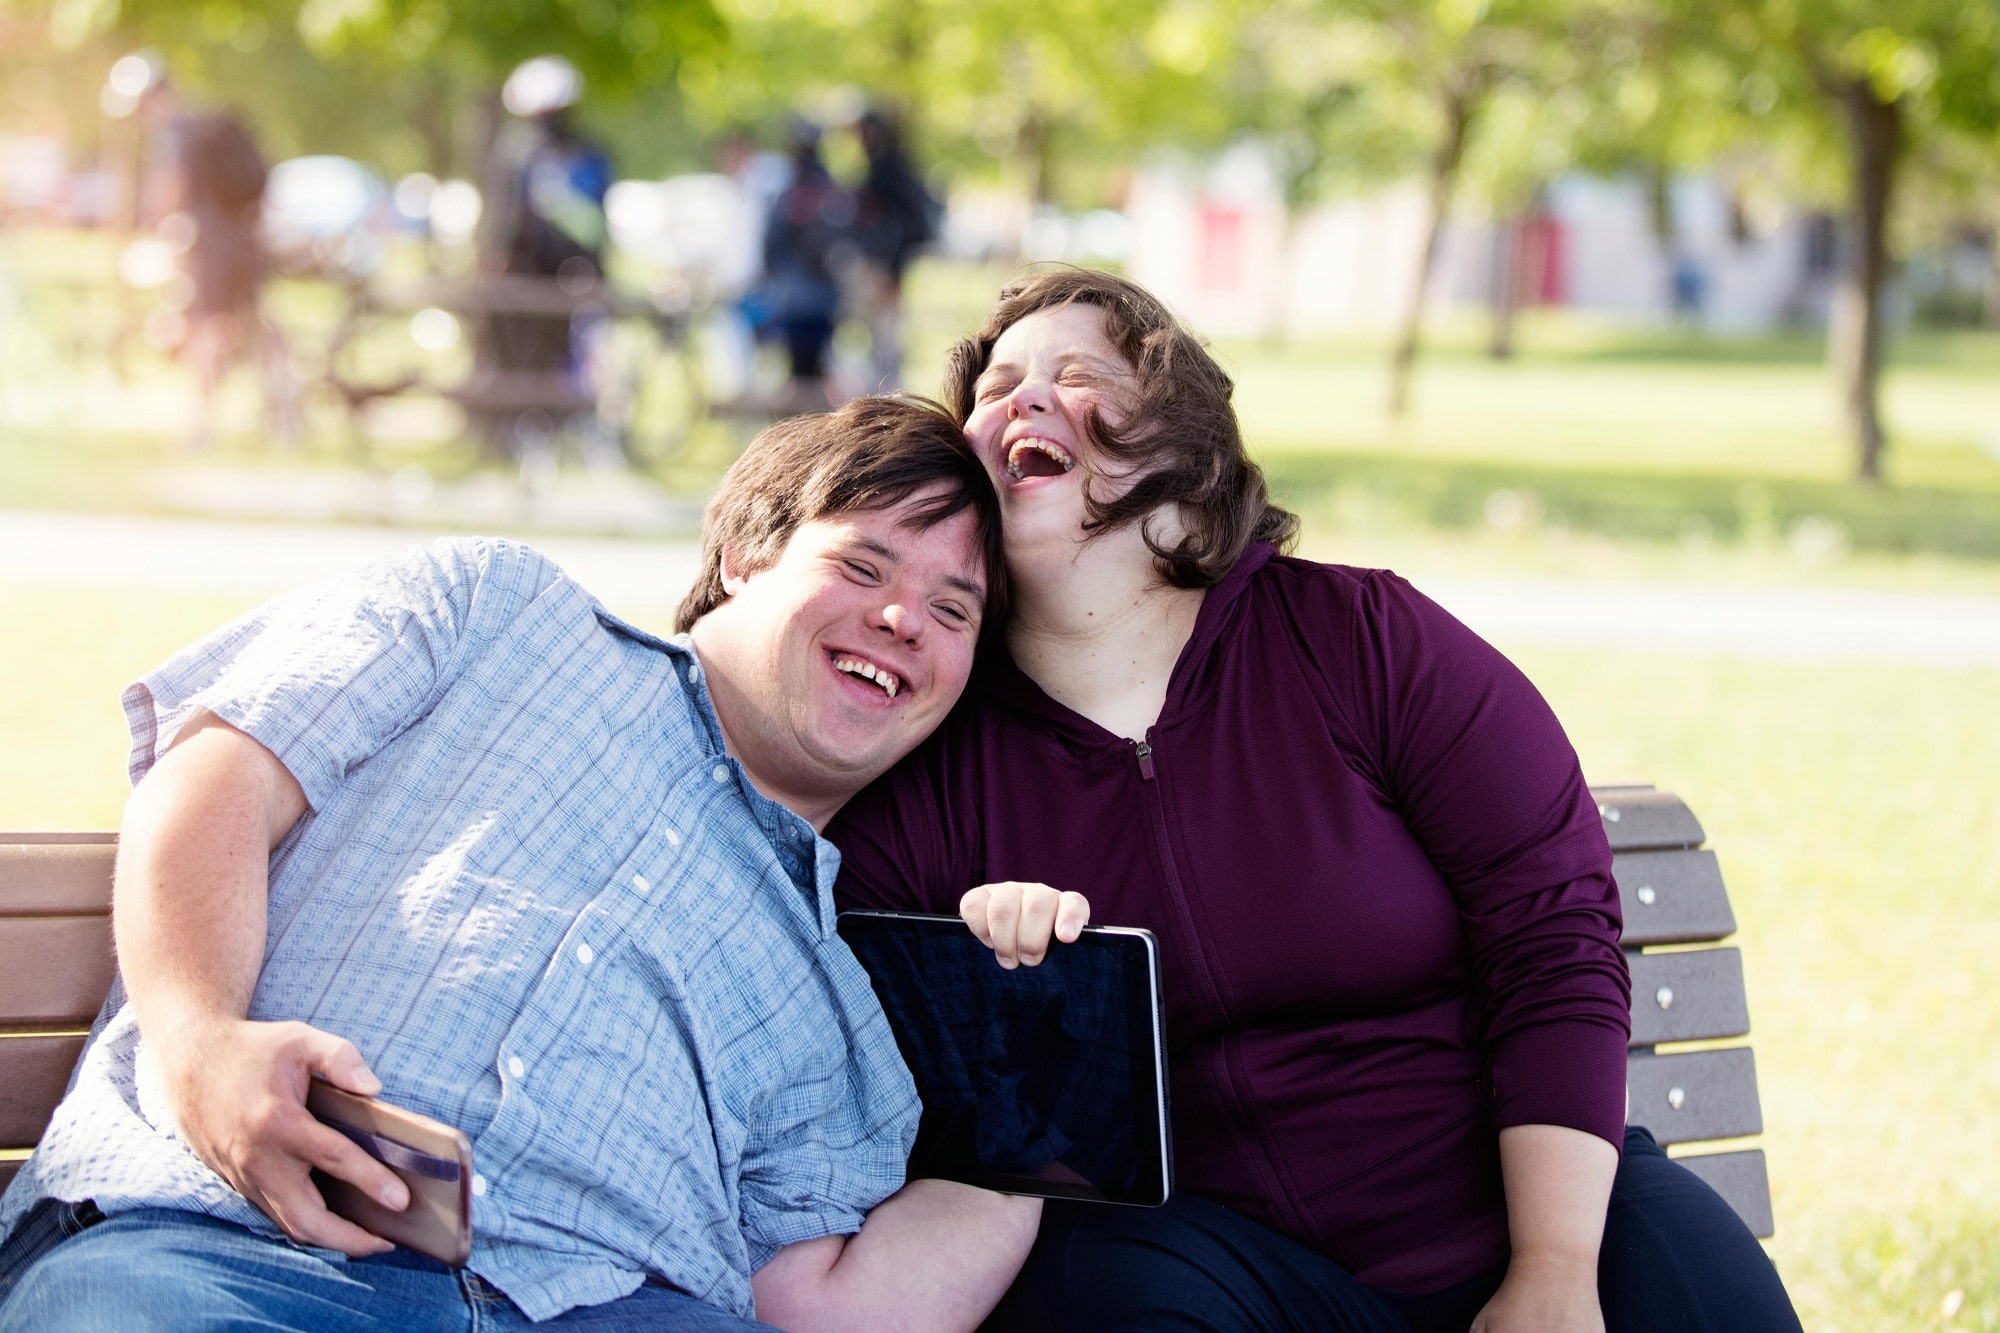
(1817, 624)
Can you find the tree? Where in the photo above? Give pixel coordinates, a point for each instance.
(1876, 85)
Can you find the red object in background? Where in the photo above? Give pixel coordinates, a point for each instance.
(1544, 244)
(1219, 261)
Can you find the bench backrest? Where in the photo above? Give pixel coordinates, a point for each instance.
(1674, 900)
(56, 965)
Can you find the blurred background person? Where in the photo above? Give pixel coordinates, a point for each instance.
(544, 187)
(896, 217)
(204, 193)
(798, 300)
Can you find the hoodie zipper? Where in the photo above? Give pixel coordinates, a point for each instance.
(1144, 751)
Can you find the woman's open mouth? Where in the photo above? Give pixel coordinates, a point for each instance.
(1037, 458)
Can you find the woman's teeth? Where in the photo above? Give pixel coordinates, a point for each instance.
(1037, 458)
(854, 666)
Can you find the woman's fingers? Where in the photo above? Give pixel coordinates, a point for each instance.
(1017, 921)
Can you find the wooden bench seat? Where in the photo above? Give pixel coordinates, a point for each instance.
(56, 965)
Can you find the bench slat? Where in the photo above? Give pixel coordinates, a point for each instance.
(57, 971)
(33, 1073)
(1684, 1098)
(1742, 1179)
(1640, 819)
(1672, 897)
(1688, 996)
(56, 874)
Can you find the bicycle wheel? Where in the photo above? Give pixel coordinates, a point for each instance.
(649, 391)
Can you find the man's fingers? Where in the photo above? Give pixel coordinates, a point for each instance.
(298, 1208)
(333, 1152)
(337, 1061)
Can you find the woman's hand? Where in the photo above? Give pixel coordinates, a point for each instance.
(1543, 1298)
(1016, 921)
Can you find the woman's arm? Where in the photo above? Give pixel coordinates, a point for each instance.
(1558, 1182)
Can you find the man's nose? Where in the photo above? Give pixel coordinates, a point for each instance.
(903, 621)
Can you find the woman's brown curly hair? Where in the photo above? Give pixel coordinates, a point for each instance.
(1180, 437)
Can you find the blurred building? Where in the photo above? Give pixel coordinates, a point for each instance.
(1214, 238)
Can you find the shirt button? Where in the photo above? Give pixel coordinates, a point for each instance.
(673, 838)
(516, 1066)
(720, 772)
(641, 883)
(479, 1185)
(694, 673)
(584, 954)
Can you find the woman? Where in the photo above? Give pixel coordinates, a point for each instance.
(1396, 1007)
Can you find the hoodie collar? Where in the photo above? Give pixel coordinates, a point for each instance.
(997, 680)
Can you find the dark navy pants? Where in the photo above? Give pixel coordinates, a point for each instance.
(1675, 1257)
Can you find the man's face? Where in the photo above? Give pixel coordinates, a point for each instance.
(836, 660)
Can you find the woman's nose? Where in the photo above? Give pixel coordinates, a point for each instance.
(1029, 396)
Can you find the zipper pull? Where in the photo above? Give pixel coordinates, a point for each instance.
(1145, 753)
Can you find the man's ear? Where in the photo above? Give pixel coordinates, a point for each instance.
(732, 573)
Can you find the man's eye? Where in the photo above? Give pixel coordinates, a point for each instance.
(861, 569)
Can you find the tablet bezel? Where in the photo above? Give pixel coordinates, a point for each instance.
(1152, 1136)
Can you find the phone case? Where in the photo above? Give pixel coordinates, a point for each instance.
(431, 1157)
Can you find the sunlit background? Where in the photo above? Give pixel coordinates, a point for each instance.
(1660, 339)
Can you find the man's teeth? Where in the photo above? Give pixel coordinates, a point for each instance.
(854, 666)
(1018, 454)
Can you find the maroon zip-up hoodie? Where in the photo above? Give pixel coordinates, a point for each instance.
(1382, 892)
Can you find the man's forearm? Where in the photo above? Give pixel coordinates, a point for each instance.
(190, 897)
(935, 1255)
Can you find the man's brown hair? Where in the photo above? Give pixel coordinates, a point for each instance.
(873, 453)
(1180, 438)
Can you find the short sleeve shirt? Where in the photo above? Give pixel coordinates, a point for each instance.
(536, 893)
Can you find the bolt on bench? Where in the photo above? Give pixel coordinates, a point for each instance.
(56, 966)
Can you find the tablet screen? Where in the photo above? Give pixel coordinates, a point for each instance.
(1037, 1080)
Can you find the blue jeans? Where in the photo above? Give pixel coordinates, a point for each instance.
(166, 1269)
(1675, 1259)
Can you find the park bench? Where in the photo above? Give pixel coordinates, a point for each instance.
(56, 965)
(641, 388)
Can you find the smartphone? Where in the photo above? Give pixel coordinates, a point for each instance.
(431, 1157)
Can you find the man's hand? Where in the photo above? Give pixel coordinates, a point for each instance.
(237, 1090)
(1016, 920)
(1543, 1297)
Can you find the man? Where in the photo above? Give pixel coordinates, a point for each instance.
(451, 832)
(545, 184)
(205, 193)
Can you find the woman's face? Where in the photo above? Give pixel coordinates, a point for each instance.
(1030, 415)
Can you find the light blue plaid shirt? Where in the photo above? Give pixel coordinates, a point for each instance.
(550, 910)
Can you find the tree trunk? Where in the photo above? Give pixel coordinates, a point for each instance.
(1875, 132)
(1458, 109)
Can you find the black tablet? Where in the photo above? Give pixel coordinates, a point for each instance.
(1046, 1080)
